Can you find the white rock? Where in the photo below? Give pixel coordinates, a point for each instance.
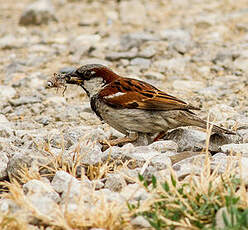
(220, 224)
(4, 121)
(109, 196)
(56, 99)
(241, 64)
(43, 205)
(130, 175)
(7, 92)
(188, 85)
(134, 192)
(8, 206)
(222, 112)
(140, 221)
(188, 139)
(175, 34)
(68, 185)
(3, 165)
(189, 165)
(132, 12)
(9, 42)
(221, 161)
(37, 13)
(41, 188)
(235, 148)
(163, 146)
(144, 154)
(141, 62)
(174, 64)
(115, 182)
(154, 75)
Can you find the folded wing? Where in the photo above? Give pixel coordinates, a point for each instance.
(135, 94)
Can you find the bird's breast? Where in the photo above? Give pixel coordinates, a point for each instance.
(96, 106)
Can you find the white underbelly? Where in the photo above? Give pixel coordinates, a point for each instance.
(135, 120)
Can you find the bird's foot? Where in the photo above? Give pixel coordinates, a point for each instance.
(130, 138)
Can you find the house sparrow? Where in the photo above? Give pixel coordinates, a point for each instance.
(132, 106)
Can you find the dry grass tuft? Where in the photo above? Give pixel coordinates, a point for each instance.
(193, 202)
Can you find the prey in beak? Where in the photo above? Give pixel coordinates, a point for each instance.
(60, 80)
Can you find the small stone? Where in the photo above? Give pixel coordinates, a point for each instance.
(212, 91)
(10, 42)
(222, 112)
(37, 13)
(8, 206)
(134, 40)
(4, 121)
(130, 175)
(154, 76)
(181, 47)
(241, 64)
(136, 16)
(141, 155)
(176, 65)
(3, 165)
(219, 219)
(141, 222)
(147, 52)
(25, 100)
(175, 34)
(115, 56)
(134, 192)
(235, 148)
(44, 204)
(141, 62)
(65, 183)
(5, 131)
(98, 184)
(56, 100)
(19, 161)
(222, 162)
(188, 85)
(194, 164)
(205, 21)
(115, 182)
(163, 146)
(188, 139)
(44, 120)
(89, 21)
(41, 188)
(92, 156)
(110, 196)
(7, 92)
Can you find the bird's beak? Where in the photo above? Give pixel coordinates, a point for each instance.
(73, 78)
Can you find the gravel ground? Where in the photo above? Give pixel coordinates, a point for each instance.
(195, 50)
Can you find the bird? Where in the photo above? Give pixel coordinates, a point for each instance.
(131, 106)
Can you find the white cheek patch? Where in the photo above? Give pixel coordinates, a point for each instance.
(94, 85)
(114, 95)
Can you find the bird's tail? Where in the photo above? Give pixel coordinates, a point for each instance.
(192, 120)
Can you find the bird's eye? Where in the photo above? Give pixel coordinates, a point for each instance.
(87, 74)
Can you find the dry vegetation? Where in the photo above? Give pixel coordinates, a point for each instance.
(189, 203)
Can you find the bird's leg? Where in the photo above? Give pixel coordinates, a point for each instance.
(130, 138)
(159, 136)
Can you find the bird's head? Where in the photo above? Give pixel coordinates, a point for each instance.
(92, 77)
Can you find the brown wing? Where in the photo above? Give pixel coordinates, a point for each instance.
(135, 94)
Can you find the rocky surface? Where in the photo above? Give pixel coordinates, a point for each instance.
(196, 50)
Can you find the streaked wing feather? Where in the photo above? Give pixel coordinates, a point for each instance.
(140, 95)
